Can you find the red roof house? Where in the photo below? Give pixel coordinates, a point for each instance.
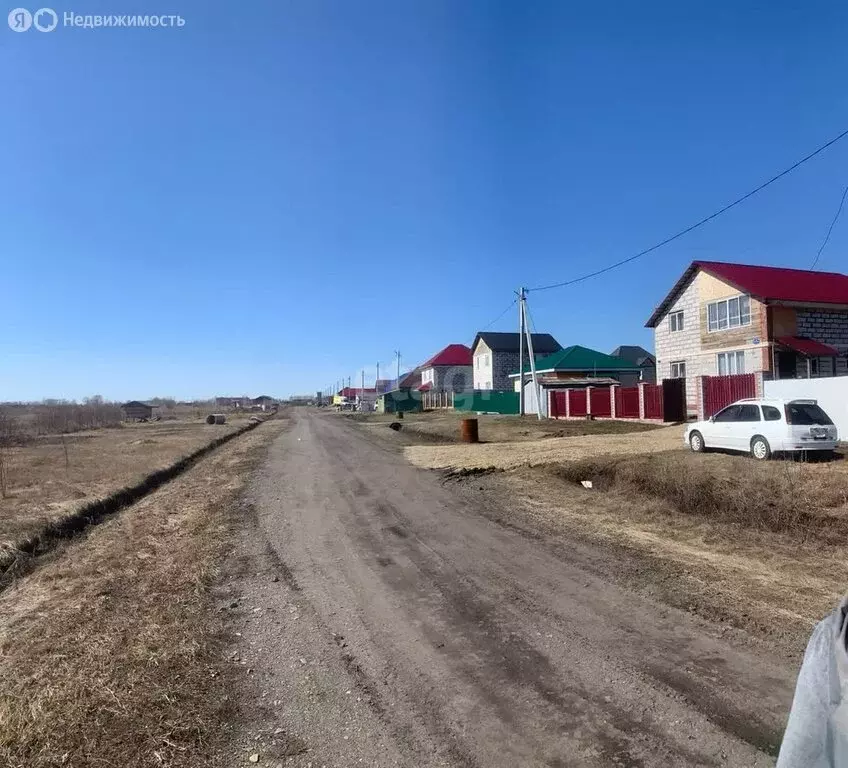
(725, 319)
(449, 370)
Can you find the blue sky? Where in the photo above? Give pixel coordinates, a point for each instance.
(270, 198)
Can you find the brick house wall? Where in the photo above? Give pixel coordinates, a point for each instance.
(829, 326)
(697, 346)
(681, 346)
(491, 369)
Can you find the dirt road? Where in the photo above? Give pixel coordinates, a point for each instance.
(408, 629)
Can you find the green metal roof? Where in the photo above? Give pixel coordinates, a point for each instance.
(577, 358)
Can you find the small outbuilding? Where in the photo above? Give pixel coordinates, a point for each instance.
(135, 410)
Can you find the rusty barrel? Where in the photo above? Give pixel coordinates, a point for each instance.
(468, 431)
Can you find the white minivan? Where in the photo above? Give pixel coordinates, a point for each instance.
(763, 427)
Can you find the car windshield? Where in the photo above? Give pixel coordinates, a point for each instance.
(806, 414)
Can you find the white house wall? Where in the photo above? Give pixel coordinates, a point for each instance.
(831, 394)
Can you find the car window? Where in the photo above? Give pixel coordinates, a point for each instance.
(806, 414)
(748, 413)
(770, 413)
(728, 414)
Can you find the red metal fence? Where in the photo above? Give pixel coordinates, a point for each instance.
(626, 403)
(577, 402)
(599, 400)
(719, 391)
(653, 401)
(558, 403)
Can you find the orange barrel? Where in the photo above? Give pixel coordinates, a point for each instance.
(468, 431)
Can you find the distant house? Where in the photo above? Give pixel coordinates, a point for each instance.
(578, 366)
(230, 402)
(449, 370)
(724, 319)
(135, 410)
(645, 360)
(495, 357)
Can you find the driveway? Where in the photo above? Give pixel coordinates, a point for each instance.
(402, 627)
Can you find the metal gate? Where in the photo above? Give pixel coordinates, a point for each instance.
(720, 391)
(674, 399)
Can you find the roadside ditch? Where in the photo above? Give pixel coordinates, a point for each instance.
(19, 559)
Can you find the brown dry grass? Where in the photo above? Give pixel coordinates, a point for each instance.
(510, 455)
(443, 426)
(42, 488)
(109, 654)
(781, 496)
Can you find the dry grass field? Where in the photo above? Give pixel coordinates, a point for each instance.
(110, 651)
(52, 476)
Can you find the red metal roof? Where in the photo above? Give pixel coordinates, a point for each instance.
(767, 283)
(452, 354)
(425, 387)
(356, 391)
(782, 284)
(807, 346)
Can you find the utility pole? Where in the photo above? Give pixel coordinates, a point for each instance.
(377, 380)
(397, 352)
(362, 388)
(532, 359)
(521, 351)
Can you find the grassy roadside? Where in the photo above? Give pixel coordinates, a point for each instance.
(109, 654)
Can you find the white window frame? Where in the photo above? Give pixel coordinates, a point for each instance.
(725, 312)
(675, 321)
(733, 362)
(675, 368)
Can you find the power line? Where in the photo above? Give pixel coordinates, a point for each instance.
(511, 305)
(830, 229)
(697, 224)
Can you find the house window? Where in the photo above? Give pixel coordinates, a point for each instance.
(731, 363)
(675, 321)
(678, 370)
(729, 313)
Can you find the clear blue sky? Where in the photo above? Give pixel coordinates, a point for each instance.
(279, 193)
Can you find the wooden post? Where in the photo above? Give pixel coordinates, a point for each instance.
(641, 386)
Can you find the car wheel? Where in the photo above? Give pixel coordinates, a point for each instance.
(760, 449)
(696, 442)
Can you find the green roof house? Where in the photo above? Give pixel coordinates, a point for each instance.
(577, 366)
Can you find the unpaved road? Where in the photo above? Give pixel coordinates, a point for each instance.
(408, 629)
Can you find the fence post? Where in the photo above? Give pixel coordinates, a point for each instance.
(641, 385)
(588, 401)
(612, 390)
(701, 400)
(568, 403)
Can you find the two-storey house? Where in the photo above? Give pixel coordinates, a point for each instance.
(496, 356)
(723, 319)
